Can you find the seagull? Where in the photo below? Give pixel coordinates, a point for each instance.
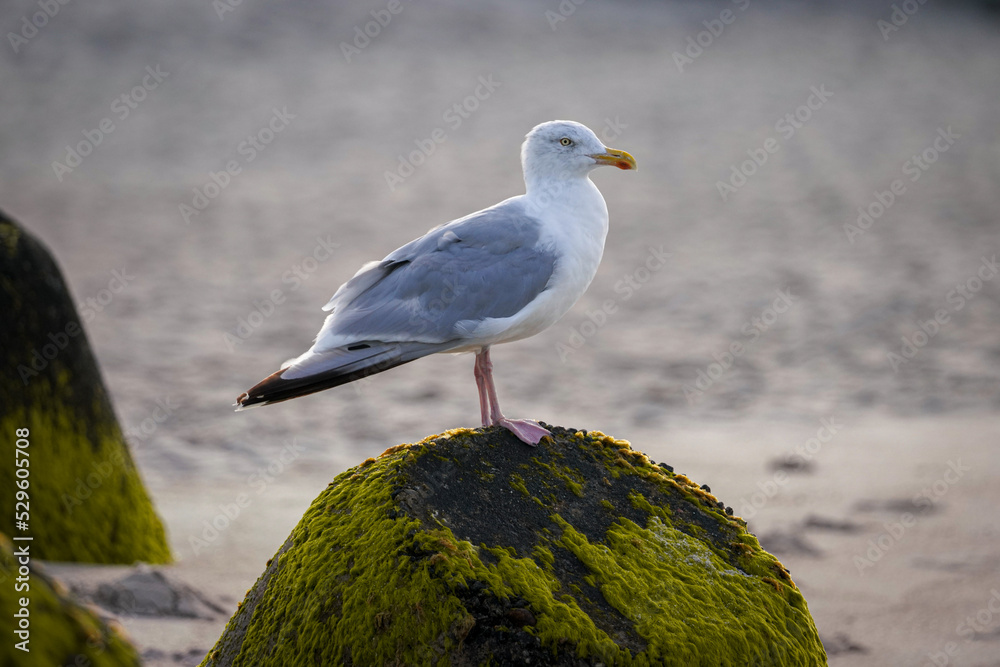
(495, 276)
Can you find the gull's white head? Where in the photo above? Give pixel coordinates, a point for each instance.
(564, 149)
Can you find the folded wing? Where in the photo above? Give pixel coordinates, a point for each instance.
(488, 265)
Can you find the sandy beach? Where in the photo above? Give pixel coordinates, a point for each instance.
(812, 333)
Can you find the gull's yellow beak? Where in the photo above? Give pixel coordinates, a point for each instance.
(615, 158)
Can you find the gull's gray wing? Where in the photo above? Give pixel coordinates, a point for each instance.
(487, 265)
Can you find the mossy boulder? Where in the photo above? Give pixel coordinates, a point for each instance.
(87, 500)
(470, 548)
(60, 631)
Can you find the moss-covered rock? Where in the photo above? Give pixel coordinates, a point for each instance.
(470, 548)
(87, 502)
(59, 631)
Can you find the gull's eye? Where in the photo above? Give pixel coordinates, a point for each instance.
(566, 141)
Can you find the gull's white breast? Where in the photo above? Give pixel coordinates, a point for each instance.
(574, 221)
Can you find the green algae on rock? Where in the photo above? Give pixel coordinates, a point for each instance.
(61, 632)
(88, 502)
(470, 548)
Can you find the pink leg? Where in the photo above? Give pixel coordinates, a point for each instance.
(526, 430)
(484, 407)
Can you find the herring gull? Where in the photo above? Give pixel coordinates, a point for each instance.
(495, 276)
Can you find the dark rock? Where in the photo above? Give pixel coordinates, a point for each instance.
(790, 542)
(841, 643)
(792, 464)
(88, 503)
(577, 552)
(150, 592)
(920, 505)
(519, 617)
(61, 631)
(814, 522)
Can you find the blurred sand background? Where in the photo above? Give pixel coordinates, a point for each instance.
(921, 440)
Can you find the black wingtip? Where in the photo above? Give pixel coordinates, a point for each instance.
(344, 365)
(245, 401)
